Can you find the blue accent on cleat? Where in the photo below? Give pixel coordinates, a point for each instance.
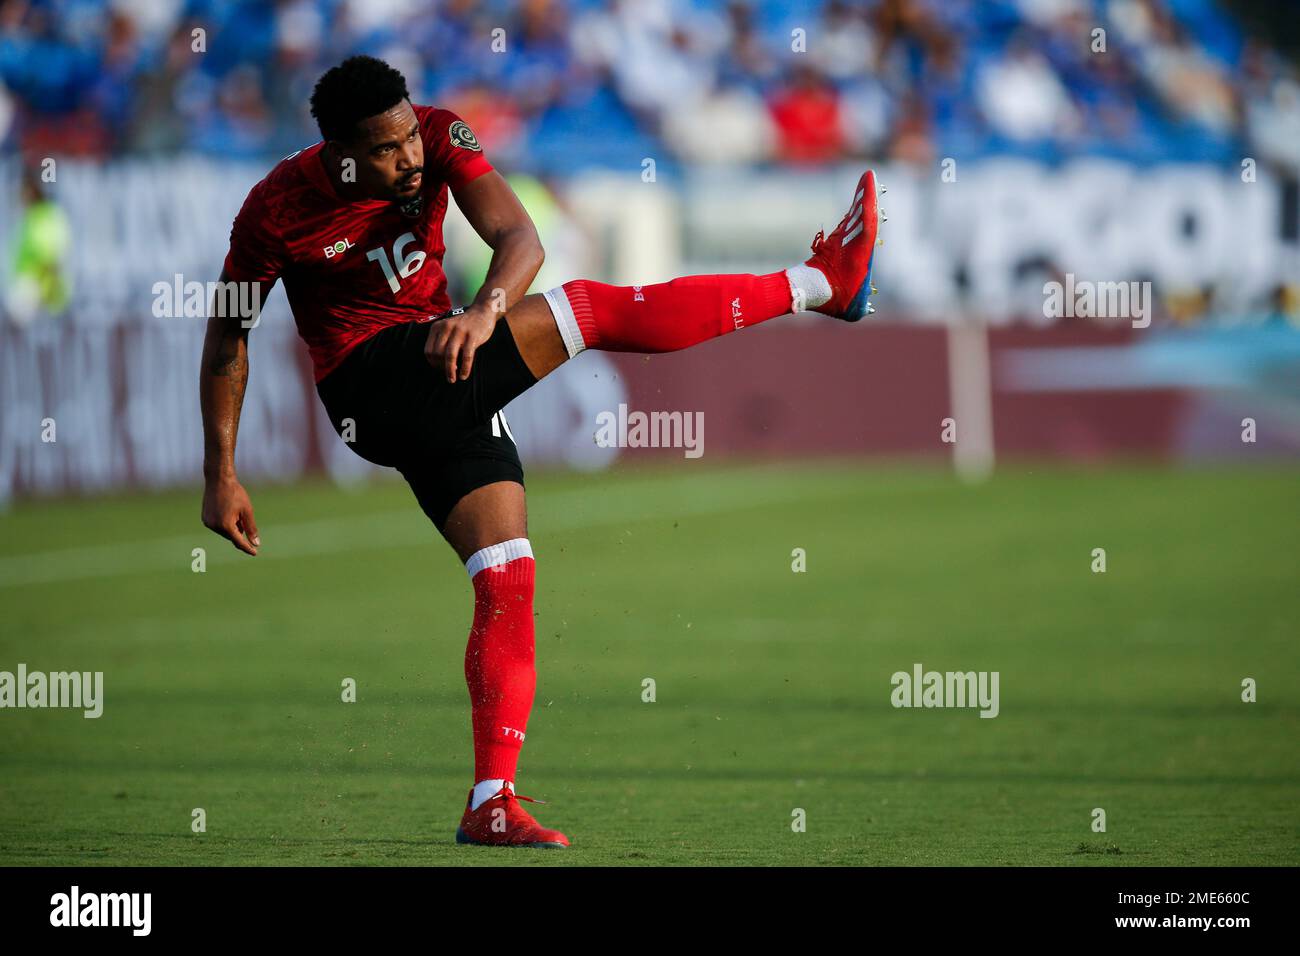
(860, 304)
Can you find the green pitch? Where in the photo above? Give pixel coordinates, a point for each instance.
(1118, 690)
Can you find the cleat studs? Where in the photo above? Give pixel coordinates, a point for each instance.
(883, 190)
(880, 242)
(874, 290)
(871, 309)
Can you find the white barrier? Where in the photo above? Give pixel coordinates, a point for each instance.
(120, 384)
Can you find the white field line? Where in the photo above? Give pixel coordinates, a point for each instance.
(560, 512)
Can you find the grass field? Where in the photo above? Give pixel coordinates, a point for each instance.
(1119, 690)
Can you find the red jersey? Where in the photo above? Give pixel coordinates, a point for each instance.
(352, 268)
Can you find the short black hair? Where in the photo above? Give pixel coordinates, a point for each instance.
(359, 87)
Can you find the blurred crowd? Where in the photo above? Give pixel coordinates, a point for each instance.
(555, 85)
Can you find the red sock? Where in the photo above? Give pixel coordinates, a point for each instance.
(499, 660)
(666, 316)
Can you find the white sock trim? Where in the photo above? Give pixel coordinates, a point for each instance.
(810, 284)
(497, 554)
(486, 789)
(564, 320)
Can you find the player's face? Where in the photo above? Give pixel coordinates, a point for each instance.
(389, 154)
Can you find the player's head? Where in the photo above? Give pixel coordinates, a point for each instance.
(365, 115)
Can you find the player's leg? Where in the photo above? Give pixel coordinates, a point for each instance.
(453, 445)
(486, 516)
(488, 529)
(473, 492)
(667, 316)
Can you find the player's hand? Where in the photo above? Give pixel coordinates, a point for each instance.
(455, 338)
(228, 511)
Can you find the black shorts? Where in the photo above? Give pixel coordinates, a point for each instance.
(393, 408)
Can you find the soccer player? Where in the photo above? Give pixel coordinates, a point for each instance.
(353, 226)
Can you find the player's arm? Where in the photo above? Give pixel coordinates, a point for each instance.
(500, 219)
(223, 376)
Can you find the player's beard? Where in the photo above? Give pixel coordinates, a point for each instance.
(412, 207)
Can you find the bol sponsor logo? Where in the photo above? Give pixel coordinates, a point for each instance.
(340, 247)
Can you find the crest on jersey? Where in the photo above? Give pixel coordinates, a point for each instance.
(461, 135)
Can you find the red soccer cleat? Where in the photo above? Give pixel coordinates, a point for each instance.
(501, 821)
(845, 256)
